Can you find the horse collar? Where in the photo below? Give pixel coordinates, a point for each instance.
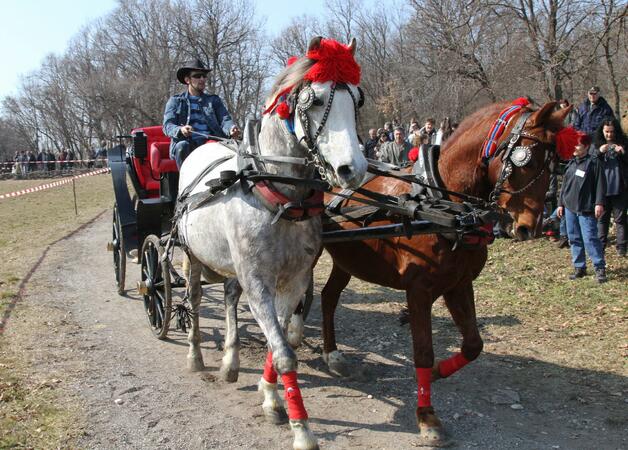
(285, 208)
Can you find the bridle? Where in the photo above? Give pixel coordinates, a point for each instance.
(303, 99)
(519, 156)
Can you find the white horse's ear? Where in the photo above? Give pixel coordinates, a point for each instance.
(352, 45)
(315, 43)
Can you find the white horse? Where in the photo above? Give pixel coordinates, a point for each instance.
(235, 236)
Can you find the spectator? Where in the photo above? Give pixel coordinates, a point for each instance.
(611, 144)
(370, 147)
(32, 161)
(191, 116)
(443, 132)
(592, 111)
(41, 160)
(23, 162)
(429, 130)
(582, 200)
(396, 152)
(51, 161)
(388, 129)
(573, 114)
(71, 158)
(63, 157)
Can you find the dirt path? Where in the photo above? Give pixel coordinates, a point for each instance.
(133, 391)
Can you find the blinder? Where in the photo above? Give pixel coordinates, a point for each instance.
(519, 156)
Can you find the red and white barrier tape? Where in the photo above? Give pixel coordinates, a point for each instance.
(53, 184)
(11, 163)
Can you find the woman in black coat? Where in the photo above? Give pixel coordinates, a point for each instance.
(610, 144)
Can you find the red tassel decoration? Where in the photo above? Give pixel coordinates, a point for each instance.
(283, 110)
(567, 139)
(291, 60)
(413, 154)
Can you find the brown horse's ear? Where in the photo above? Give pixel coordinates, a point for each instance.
(558, 117)
(542, 115)
(352, 46)
(315, 43)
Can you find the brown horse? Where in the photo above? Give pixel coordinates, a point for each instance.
(425, 266)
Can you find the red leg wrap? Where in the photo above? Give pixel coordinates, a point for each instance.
(270, 374)
(452, 364)
(423, 379)
(296, 410)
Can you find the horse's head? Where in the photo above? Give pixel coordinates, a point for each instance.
(319, 98)
(521, 175)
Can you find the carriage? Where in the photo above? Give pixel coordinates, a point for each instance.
(141, 219)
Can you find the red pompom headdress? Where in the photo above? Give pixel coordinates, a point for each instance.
(334, 62)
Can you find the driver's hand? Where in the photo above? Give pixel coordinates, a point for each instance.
(235, 132)
(186, 130)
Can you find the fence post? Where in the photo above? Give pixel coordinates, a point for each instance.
(74, 192)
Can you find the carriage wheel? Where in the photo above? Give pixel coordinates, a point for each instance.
(119, 254)
(309, 297)
(155, 286)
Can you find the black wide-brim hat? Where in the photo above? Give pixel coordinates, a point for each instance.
(188, 66)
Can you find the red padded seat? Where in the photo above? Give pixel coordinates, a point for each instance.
(149, 169)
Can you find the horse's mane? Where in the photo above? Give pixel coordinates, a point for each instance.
(289, 77)
(484, 116)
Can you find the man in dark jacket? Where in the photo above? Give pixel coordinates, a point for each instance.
(582, 200)
(192, 116)
(592, 111)
(370, 146)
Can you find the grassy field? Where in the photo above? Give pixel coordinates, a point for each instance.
(575, 324)
(32, 414)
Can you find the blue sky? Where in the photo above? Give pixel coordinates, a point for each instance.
(32, 29)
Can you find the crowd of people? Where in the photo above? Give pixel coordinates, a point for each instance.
(594, 188)
(25, 162)
(392, 142)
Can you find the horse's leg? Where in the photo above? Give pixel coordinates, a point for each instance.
(330, 295)
(195, 358)
(461, 304)
(284, 360)
(272, 406)
(296, 327)
(420, 310)
(231, 359)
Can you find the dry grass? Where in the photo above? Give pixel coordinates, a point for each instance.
(33, 414)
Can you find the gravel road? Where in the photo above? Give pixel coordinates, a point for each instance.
(134, 391)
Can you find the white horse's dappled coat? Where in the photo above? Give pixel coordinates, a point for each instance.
(234, 236)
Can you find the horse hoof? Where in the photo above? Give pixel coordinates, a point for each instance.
(276, 416)
(303, 437)
(337, 363)
(229, 375)
(195, 364)
(432, 433)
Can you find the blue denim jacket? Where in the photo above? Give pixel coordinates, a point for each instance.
(176, 115)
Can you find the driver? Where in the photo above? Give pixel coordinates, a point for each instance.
(192, 116)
